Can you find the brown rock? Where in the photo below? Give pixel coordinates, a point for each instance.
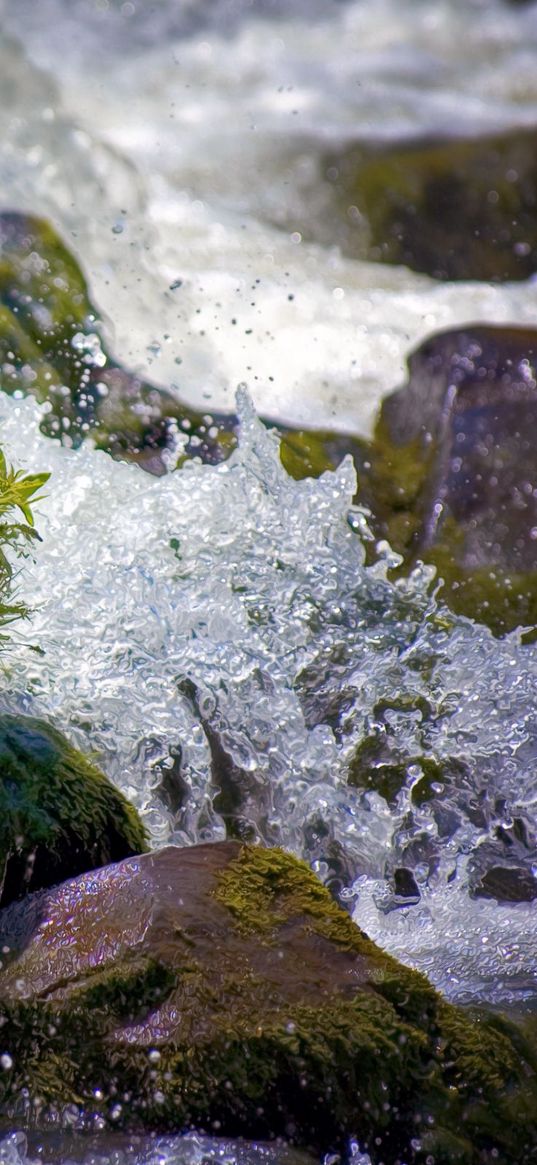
(220, 987)
(453, 476)
(455, 208)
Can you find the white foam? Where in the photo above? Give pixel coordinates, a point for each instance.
(193, 128)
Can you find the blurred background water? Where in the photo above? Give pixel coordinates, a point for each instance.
(176, 141)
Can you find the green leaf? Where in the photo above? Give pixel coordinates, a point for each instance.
(16, 490)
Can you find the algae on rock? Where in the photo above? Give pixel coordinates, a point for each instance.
(449, 475)
(221, 987)
(454, 208)
(51, 346)
(59, 815)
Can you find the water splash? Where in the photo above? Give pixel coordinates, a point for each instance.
(188, 1149)
(216, 637)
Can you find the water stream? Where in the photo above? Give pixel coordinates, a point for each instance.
(178, 148)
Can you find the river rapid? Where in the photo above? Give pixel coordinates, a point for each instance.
(178, 147)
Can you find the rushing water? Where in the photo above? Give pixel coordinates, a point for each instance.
(249, 589)
(191, 1149)
(178, 148)
(168, 138)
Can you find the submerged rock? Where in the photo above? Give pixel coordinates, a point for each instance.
(504, 866)
(310, 452)
(220, 987)
(59, 815)
(454, 209)
(452, 477)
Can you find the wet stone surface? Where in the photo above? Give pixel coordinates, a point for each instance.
(453, 474)
(51, 346)
(219, 986)
(453, 209)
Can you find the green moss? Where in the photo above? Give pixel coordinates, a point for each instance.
(463, 1047)
(127, 993)
(493, 1080)
(399, 471)
(297, 1069)
(500, 598)
(74, 1032)
(465, 1060)
(308, 453)
(391, 485)
(59, 815)
(313, 1072)
(371, 769)
(394, 489)
(382, 763)
(51, 346)
(455, 209)
(44, 292)
(312, 1067)
(264, 889)
(288, 1021)
(23, 365)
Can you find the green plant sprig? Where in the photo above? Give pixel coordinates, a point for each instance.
(16, 490)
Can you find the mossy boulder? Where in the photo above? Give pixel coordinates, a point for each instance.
(452, 208)
(221, 987)
(59, 815)
(51, 346)
(451, 475)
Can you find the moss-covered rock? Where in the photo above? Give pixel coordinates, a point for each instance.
(455, 209)
(51, 346)
(59, 815)
(221, 987)
(381, 760)
(451, 474)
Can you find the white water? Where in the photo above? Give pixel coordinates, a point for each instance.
(165, 137)
(253, 587)
(191, 1149)
(183, 141)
